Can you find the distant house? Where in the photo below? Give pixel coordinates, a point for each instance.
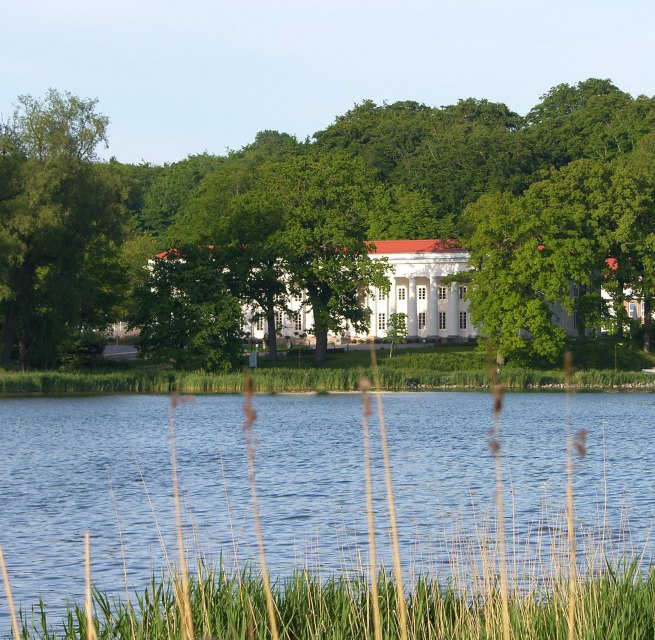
(436, 310)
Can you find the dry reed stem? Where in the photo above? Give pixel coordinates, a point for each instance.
(181, 591)
(494, 447)
(364, 387)
(397, 565)
(10, 599)
(123, 555)
(570, 516)
(90, 625)
(251, 415)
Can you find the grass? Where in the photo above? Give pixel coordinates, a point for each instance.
(487, 598)
(289, 380)
(602, 364)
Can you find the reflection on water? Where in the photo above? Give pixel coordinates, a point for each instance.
(68, 465)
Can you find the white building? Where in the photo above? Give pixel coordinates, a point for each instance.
(435, 310)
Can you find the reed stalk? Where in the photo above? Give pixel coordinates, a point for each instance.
(182, 583)
(397, 565)
(88, 607)
(495, 448)
(570, 506)
(10, 599)
(365, 386)
(251, 415)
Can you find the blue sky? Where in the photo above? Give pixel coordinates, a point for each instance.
(177, 77)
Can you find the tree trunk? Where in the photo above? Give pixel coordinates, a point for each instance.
(8, 333)
(648, 324)
(22, 350)
(321, 346)
(272, 335)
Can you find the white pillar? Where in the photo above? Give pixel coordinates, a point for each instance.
(392, 297)
(411, 309)
(453, 311)
(433, 313)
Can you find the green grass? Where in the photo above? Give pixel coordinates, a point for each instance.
(614, 605)
(440, 367)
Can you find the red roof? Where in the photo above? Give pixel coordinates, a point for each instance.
(415, 246)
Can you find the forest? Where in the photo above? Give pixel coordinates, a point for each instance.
(561, 197)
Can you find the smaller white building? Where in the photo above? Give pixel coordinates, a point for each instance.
(436, 310)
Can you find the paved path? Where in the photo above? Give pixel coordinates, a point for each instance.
(120, 352)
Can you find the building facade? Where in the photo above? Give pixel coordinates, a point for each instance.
(436, 310)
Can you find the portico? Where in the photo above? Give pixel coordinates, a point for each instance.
(436, 308)
(418, 269)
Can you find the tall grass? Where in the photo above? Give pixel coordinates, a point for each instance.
(309, 380)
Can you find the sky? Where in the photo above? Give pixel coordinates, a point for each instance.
(180, 77)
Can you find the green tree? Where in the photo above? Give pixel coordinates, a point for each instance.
(325, 200)
(187, 314)
(171, 188)
(62, 222)
(235, 210)
(397, 330)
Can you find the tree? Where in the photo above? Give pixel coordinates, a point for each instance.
(235, 211)
(187, 314)
(62, 222)
(397, 329)
(325, 200)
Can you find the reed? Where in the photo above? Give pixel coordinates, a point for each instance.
(310, 380)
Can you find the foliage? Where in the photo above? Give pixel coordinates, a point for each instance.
(325, 199)
(62, 222)
(187, 314)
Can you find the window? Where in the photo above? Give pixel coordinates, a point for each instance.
(381, 294)
(259, 323)
(462, 294)
(402, 292)
(382, 321)
(297, 297)
(422, 293)
(576, 290)
(421, 320)
(462, 319)
(297, 323)
(442, 319)
(442, 293)
(278, 319)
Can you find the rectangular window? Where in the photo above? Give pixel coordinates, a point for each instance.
(297, 297)
(382, 321)
(442, 292)
(381, 294)
(422, 293)
(297, 323)
(462, 319)
(401, 293)
(576, 291)
(278, 319)
(421, 320)
(259, 323)
(462, 293)
(442, 319)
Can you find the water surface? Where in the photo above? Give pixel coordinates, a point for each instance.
(102, 464)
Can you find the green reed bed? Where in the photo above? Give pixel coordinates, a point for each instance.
(229, 606)
(289, 380)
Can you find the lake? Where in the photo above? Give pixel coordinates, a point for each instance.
(102, 464)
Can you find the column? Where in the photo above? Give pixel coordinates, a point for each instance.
(392, 297)
(433, 314)
(453, 311)
(412, 331)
